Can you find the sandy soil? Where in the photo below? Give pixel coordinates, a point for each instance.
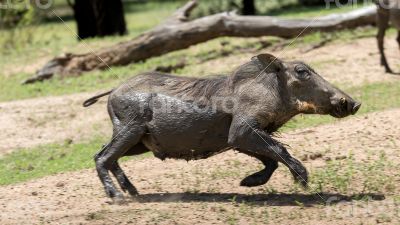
(207, 191)
(31, 122)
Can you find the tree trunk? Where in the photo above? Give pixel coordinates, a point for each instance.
(99, 18)
(109, 17)
(85, 19)
(248, 7)
(179, 33)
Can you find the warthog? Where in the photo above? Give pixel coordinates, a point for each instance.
(388, 13)
(189, 118)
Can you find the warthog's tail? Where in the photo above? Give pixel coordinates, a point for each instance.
(94, 99)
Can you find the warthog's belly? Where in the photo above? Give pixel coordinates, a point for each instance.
(181, 130)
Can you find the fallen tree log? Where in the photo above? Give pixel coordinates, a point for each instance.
(178, 32)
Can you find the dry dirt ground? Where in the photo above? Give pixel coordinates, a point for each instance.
(364, 148)
(28, 123)
(207, 191)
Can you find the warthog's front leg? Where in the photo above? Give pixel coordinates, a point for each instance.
(247, 135)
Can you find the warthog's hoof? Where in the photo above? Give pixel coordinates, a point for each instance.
(390, 71)
(302, 178)
(131, 190)
(133, 193)
(251, 182)
(254, 180)
(119, 200)
(135, 198)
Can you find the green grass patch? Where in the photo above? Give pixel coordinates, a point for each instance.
(44, 160)
(26, 164)
(338, 176)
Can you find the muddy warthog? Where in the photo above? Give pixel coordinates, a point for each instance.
(189, 118)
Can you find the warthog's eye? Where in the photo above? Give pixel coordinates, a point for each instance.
(302, 73)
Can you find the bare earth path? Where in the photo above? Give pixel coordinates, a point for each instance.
(207, 191)
(28, 123)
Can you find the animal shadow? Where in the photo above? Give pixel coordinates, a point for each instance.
(280, 199)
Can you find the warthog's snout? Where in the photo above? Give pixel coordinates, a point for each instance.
(355, 108)
(343, 107)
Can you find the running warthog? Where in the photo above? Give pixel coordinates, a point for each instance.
(189, 118)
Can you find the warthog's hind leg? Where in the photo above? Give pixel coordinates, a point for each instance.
(123, 140)
(260, 177)
(123, 180)
(119, 174)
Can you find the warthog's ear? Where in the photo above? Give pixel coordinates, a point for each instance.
(268, 62)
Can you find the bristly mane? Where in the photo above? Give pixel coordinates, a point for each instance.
(201, 89)
(190, 88)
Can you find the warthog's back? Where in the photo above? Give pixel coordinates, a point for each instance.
(187, 87)
(179, 126)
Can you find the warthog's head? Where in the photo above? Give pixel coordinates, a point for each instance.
(300, 88)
